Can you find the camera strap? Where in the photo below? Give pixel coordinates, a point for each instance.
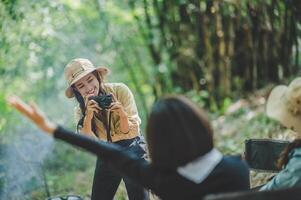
(108, 128)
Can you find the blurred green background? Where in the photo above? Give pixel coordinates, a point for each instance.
(225, 55)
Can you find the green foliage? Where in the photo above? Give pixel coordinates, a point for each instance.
(199, 97)
(65, 158)
(226, 103)
(3, 110)
(195, 48)
(228, 43)
(241, 125)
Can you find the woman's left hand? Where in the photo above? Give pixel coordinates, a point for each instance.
(117, 107)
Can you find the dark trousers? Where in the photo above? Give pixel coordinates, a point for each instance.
(106, 181)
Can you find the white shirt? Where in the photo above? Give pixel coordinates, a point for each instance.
(199, 169)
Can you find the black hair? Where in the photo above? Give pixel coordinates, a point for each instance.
(284, 156)
(177, 132)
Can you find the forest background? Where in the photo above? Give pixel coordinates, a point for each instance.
(225, 55)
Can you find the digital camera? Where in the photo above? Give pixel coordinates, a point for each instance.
(104, 101)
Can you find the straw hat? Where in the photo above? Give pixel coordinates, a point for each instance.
(284, 105)
(77, 69)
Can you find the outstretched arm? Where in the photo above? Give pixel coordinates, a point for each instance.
(121, 160)
(32, 112)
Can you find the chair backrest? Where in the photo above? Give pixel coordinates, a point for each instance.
(262, 154)
(281, 194)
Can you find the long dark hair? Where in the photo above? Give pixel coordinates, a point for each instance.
(284, 156)
(177, 132)
(82, 106)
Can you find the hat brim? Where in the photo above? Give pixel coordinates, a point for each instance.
(103, 71)
(277, 108)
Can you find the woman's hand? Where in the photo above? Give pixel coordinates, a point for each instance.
(117, 107)
(91, 108)
(32, 112)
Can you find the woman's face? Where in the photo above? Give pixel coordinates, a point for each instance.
(87, 86)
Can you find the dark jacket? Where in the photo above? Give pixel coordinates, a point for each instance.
(231, 174)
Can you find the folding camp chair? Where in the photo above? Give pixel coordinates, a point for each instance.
(262, 154)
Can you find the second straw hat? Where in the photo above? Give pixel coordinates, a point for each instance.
(284, 105)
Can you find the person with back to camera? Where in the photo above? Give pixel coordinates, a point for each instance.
(106, 111)
(284, 105)
(184, 163)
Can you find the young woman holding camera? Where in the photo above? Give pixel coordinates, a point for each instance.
(114, 118)
(184, 163)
